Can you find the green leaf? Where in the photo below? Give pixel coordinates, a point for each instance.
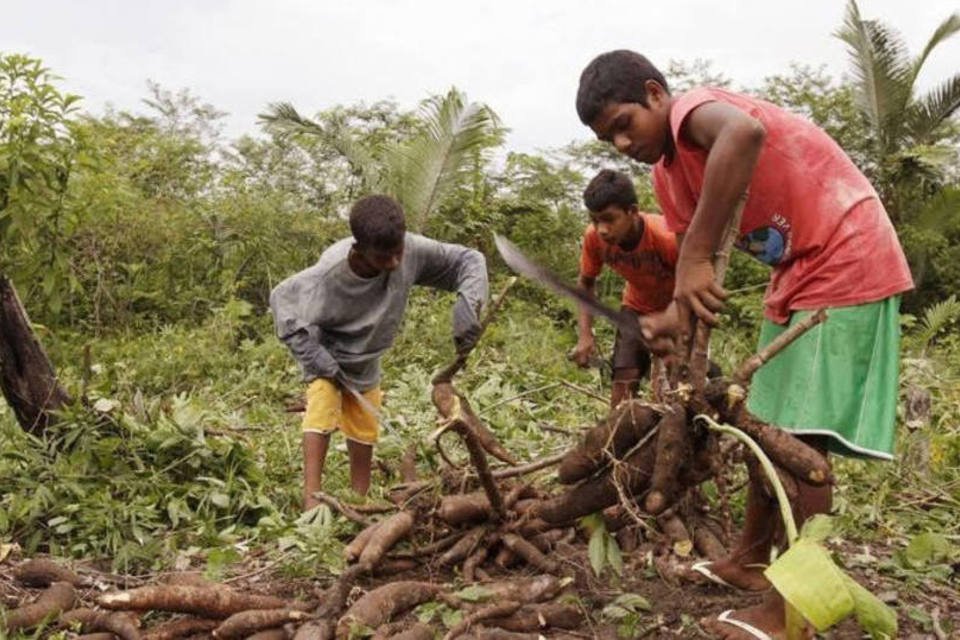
(597, 549)
(222, 500)
(926, 549)
(450, 617)
(614, 557)
(875, 617)
(474, 593)
(818, 528)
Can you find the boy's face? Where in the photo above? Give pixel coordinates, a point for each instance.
(375, 260)
(616, 225)
(640, 132)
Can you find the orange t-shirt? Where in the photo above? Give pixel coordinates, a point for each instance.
(647, 268)
(810, 213)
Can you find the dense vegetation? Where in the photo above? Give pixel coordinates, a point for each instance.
(144, 246)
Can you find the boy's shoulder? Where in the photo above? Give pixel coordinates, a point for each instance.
(334, 255)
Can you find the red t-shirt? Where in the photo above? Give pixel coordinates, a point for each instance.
(810, 213)
(648, 268)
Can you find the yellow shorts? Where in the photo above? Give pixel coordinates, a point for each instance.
(329, 409)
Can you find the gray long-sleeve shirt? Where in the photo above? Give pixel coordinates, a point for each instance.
(329, 307)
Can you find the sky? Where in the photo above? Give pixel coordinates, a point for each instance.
(521, 57)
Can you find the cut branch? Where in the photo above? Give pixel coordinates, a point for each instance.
(745, 371)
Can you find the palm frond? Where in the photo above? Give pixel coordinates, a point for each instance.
(927, 115)
(284, 120)
(426, 168)
(936, 318)
(882, 69)
(939, 212)
(947, 28)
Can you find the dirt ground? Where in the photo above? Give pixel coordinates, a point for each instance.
(676, 606)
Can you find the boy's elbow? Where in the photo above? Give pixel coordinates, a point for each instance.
(754, 133)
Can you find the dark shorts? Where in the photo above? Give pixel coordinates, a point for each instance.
(629, 352)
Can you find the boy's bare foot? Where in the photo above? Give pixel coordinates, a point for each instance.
(728, 572)
(309, 502)
(764, 621)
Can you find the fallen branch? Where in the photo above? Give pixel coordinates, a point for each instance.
(344, 509)
(530, 467)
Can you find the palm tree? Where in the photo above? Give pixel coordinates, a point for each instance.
(913, 135)
(419, 171)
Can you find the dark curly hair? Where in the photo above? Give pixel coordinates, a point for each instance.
(377, 222)
(609, 187)
(615, 77)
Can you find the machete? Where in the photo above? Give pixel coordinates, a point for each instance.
(365, 404)
(530, 269)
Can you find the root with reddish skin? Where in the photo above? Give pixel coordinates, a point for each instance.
(476, 559)
(707, 544)
(270, 634)
(792, 454)
(390, 531)
(382, 604)
(418, 631)
(57, 598)
(97, 636)
(321, 630)
(547, 540)
(41, 573)
(181, 628)
(550, 615)
(214, 601)
(245, 623)
(673, 528)
(505, 558)
(352, 551)
(524, 590)
(408, 464)
(600, 492)
(462, 509)
(394, 566)
(497, 610)
(611, 439)
(335, 597)
(673, 450)
(121, 624)
(530, 553)
(493, 633)
(463, 548)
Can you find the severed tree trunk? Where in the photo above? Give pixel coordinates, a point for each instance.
(27, 378)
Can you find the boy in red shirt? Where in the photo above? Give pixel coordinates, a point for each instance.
(816, 220)
(637, 246)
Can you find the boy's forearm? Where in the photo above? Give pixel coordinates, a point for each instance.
(584, 317)
(732, 158)
(473, 282)
(314, 359)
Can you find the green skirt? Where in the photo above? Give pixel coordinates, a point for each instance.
(840, 379)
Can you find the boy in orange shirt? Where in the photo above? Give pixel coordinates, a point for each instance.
(637, 246)
(813, 217)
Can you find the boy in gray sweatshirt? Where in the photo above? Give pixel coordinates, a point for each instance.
(339, 316)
